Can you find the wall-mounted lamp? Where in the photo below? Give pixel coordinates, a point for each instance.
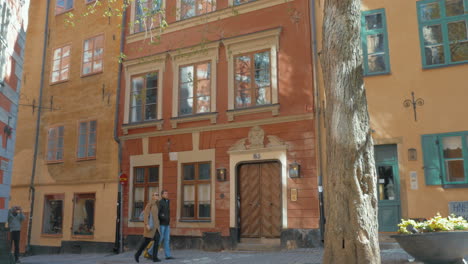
(221, 174)
(294, 170)
(412, 154)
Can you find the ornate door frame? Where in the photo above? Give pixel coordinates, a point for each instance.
(253, 149)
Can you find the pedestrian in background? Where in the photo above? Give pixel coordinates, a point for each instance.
(164, 220)
(151, 229)
(15, 219)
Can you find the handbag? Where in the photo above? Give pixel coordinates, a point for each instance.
(151, 222)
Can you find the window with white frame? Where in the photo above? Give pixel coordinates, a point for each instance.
(192, 8)
(195, 88)
(252, 79)
(147, 14)
(143, 97)
(145, 183)
(196, 191)
(194, 80)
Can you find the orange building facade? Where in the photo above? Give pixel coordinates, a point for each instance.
(217, 108)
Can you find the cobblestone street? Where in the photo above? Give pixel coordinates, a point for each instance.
(299, 256)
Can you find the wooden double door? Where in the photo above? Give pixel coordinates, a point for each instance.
(260, 200)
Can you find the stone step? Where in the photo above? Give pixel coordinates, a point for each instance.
(259, 244)
(387, 245)
(257, 247)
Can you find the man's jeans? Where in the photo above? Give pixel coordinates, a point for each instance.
(165, 238)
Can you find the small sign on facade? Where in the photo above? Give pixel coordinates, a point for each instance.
(414, 180)
(257, 156)
(172, 156)
(459, 208)
(4, 165)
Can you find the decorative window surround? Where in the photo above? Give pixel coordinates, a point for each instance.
(132, 16)
(155, 123)
(195, 155)
(138, 66)
(198, 117)
(206, 52)
(210, 17)
(142, 161)
(267, 39)
(253, 110)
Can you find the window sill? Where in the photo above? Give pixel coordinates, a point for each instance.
(85, 159)
(82, 236)
(212, 117)
(144, 124)
(91, 74)
(253, 110)
(194, 221)
(52, 235)
(54, 162)
(59, 82)
(438, 66)
(136, 221)
(65, 11)
(377, 74)
(455, 186)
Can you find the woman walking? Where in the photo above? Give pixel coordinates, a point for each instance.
(151, 229)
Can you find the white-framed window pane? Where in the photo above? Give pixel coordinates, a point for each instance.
(186, 106)
(151, 190)
(204, 171)
(140, 175)
(204, 200)
(188, 172)
(188, 209)
(138, 202)
(153, 174)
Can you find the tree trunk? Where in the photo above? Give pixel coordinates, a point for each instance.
(351, 233)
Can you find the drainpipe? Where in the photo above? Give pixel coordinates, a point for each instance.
(318, 110)
(116, 136)
(32, 190)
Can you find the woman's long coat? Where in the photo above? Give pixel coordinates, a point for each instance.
(153, 208)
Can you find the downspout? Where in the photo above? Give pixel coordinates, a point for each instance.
(317, 111)
(32, 190)
(116, 124)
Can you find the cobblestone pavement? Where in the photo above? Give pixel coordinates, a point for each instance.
(298, 256)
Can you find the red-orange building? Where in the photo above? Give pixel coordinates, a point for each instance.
(218, 109)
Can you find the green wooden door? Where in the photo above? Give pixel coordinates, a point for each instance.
(388, 187)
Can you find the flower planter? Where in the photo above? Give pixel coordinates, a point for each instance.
(436, 247)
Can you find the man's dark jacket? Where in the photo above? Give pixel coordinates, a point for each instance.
(164, 213)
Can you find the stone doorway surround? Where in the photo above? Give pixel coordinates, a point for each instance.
(254, 149)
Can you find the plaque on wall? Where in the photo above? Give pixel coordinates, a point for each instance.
(459, 208)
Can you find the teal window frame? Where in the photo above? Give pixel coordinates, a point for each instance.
(435, 170)
(443, 21)
(365, 32)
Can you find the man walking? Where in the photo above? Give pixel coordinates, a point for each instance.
(15, 218)
(164, 219)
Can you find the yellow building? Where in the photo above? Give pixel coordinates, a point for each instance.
(416, 48)
(76, 166)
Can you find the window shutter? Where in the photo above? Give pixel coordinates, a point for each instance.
(432, 170)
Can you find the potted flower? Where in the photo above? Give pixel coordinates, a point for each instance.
(435, 241)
